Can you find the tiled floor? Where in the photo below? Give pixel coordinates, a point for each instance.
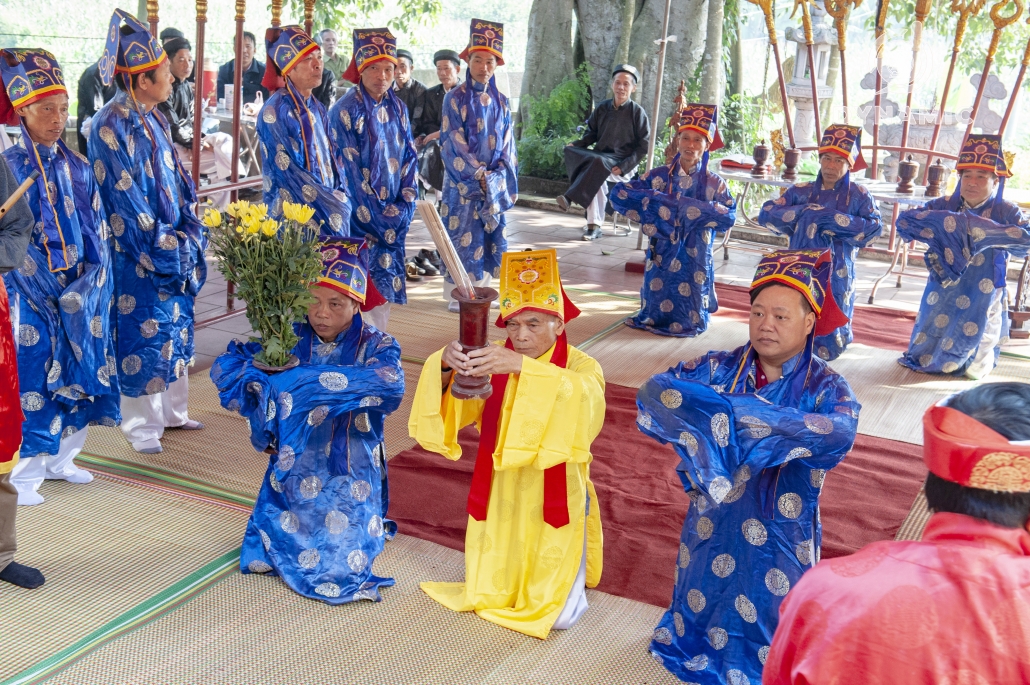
(597, 265)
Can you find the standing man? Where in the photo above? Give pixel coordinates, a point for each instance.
(410, 91)
(15, 230)
(333, 60)
(215, 148)
(253, 72)
(92, 95)
(534, 531)
(831, 213)
(319, 520)
(962, 318)
(376, 155)
(756, 430)
(889, 612)
(481, 180)
(293, 127)
(64, 287)
(159, 243)
(427, 135)
(680, 207)
(619, 130)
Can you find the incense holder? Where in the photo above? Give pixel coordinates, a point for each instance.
(474, 319)
(907, 170)
(791, 157)
(935, 176)
(761, 154)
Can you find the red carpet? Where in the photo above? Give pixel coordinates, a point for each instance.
(888, 329)
(643, 504)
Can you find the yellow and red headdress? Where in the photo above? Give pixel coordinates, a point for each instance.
(345, 270)
(530, 281)
(844, 141)
(960, 449)
(131, 53)
(983, 151)
(29, 75)
(705, 120)
(487, 36)
(370, 45)
(809, 272)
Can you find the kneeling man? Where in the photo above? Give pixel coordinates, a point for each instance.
(534, 531)
(756, 428)
(319, 520)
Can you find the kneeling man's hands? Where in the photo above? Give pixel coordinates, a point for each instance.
(482, 362)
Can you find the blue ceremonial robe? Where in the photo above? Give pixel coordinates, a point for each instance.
(320, 518)
(297, 160)
(753, 464)
(376, 154)
(476, 136)
(67, 373)
(159, 244)
(681, 219)
(967, 254)
(843, 219)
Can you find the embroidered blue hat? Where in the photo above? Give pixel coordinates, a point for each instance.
(983, 152)
(131, 52)
(705, 120)
(29, 75)
(345, 270)
(370, 45)
(289, 47)
(808, 272)
(845, 141)
(487, 36)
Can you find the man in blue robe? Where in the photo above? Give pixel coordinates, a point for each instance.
(63, 289)
(756, 428)
(320, 518)
(830, 213)
(293, 129)
(159, 243)
(480, 165)
(680, 207)
(963, 316)
(372, 140)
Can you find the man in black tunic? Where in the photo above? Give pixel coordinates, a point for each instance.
(427, 134)
(619, 130)
(407, 89)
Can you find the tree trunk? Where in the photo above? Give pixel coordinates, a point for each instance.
(712, 70)
(548, 47)
(629, 13)
(737, 53)
(600, 37)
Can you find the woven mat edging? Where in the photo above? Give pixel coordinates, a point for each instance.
(158, 605)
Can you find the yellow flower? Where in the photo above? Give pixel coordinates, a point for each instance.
(237, 209)
(257, 212)
(212, 218)
(298, 212)
(269, 227)
(239, 229)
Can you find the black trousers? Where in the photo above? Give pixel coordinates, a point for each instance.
(588, 171)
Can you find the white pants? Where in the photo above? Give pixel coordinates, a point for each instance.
(145, 418)
(378, 316)
(985, 357)
(215, 161)
(576, 603)
(30, 472)
(595, 210)
(484, 282)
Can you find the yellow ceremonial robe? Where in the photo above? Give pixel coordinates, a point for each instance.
(518, 569)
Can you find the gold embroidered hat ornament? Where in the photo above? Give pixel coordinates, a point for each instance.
(960, 449)
(530, 281)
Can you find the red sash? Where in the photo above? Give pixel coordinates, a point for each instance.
(10, 401)
(556, 502)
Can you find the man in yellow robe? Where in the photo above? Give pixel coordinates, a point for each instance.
(534, 531)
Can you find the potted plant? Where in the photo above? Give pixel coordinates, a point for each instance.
(273, 264)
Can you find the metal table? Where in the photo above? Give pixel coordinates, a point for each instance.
(248, 132)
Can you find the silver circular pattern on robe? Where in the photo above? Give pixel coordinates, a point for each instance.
(663, 636)
(803, 551)
(717, 637)
(754, 532)
(28, 335)
(32, 401)
(704, 527)
(789, 505)
(666, 306)
(71, 302)
(745, 608)
(723, 565)
(986, 286)
(697, 663)
(272, 480)
(332, 380)
(690, 442)
(684, 289)
(684, 556)
(167, 349)
(656, 284)
(672, 398)
(696, 600)
(317, 415)
(700, 277)
(357, 560)
(719, 488)
(265, 540)
(309, 558)
(156, 386)
(148, 329)
(817, 477)
(677, 622)
(55, 425)
(756, 427)
(817, 423)
(375, 527)
(328, 590)
(285, 405)
(131, 365)
(720, 424)
(736, 677)
(289, 522)
(360, 490)
(257, 566)
(970, 328)
(362, 423)
(96, 327)
(287, 457)
(777, 582)
(336, 522)
(310, 487)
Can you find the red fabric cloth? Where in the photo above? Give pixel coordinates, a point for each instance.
(865, 499)
(10, 401)
(952, 608)
(889, 329)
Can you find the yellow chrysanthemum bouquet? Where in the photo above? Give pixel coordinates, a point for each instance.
(273, 264)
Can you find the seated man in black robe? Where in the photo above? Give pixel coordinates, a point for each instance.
(619, 130)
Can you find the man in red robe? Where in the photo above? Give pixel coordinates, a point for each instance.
(952, 608)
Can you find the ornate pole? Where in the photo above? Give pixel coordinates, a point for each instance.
(277, 12)
(198, 100)
(806, 23)
(237, 93)
(1015, 88)
(881, 38)
(964, 9)
(152, 16)
(1000, 22)
(840, 10)
(770, 25)
(658, 83)
(922, 11)
(309, 15)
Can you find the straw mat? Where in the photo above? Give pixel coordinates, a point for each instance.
(915, 522)
(253, 629)
(104, 548)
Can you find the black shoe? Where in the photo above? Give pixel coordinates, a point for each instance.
(592, 232)
(433, 257)
(22, 576)
(414, 271)
(425, 265)
(563, 203)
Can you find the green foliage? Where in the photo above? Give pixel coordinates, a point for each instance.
(549, 123)
(741, 123)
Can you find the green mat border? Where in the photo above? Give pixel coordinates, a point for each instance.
(160, 604)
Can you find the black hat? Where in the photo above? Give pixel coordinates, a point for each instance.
(447, 54)
(171, 32)
(629, 69)
(405, 53)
